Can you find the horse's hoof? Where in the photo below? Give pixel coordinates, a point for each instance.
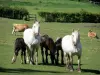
(31, 63)
(12, 62)
(56, 63)
(25, 63)
(36, 63)
(46, 62)
(79, 71)
(62, 63)
(71, 70)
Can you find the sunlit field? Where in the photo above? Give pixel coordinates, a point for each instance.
(90, 55)
(90, 62)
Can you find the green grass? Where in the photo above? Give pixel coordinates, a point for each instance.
(90, 55)
(91, 49)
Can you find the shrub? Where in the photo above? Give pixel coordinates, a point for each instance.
(13, 13)
(81, 16)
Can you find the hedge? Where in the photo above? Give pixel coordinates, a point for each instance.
(13, 12)
(77, 17)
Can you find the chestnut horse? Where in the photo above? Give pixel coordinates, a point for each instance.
(48, 43)
(19, 28)
(92, 34)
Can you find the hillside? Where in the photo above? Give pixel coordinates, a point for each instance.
(34, 6)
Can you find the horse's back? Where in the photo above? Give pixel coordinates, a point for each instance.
(67, 44)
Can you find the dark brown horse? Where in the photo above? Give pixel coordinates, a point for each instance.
(19, 46)
(47, 43)
(58, 47)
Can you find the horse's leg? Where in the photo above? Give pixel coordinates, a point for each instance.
(46, 53)
(52, 57)
(32, 52)
(71, 62)
(62, 56)
(66, 60)
(14, 58)
(57, 57)
(15, 33)
(27, 54)
(21, 57)
(36, 56)
(42, 53)
(79, 63)
(24, 53)
(15, 55)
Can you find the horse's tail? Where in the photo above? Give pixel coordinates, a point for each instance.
(97, 37)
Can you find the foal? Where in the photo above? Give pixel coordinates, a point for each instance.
(58, 47)
(48, 44)
(19, 45)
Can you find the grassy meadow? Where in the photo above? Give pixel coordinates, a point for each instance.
(35, 6)
(90, 61)
(90, 56)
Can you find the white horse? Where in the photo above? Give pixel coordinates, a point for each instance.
(32, 39)
(71, 46)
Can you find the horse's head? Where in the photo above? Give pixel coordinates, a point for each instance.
(76, 36)
(36, 28)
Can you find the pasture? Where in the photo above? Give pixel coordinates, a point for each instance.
(34, 6)
(90, 56)
(90, 62)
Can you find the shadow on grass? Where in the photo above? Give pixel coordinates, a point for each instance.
(19, 70)
(60, 65)
(91, 71)
(49, 64)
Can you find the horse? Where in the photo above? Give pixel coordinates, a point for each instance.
(32, 39)
(19, 45)
(48, 43)
(58, 47)
(71, 46)
(92, 34)
(19, 28)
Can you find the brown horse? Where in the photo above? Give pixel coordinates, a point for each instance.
(48, 43)
(19, 28)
